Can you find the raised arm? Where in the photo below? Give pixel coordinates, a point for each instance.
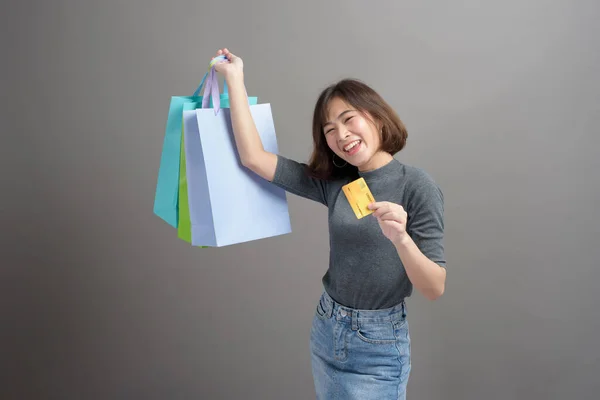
(281, 171)
(249, 145)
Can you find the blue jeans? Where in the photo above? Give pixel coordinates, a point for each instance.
(359, 354)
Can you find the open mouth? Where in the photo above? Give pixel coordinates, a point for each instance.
(353, 147)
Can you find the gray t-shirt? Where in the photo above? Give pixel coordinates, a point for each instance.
(365, 270)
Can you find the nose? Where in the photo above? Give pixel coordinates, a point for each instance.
(343, 133)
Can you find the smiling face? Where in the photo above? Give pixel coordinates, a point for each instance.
(354, 136)
(353, 122)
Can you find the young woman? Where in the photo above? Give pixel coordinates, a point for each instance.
(360, 343)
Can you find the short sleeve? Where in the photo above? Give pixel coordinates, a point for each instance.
(425, 224)
(293, 177)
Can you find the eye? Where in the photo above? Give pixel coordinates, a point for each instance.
(329, 130)
(348, 119)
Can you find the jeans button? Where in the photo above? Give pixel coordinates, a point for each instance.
(343, 313)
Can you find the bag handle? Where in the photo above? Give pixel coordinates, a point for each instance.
(212, 86)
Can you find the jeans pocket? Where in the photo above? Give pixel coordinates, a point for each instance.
(320, 311)
(377, 332)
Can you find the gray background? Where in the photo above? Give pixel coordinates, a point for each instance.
(100, 300)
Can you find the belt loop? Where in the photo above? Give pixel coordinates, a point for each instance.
(354, 320)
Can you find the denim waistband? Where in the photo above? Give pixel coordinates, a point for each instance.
(331, 307)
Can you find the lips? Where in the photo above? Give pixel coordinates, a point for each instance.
(352, 145)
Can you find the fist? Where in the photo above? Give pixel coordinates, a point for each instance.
(392, 220)
(233, 66)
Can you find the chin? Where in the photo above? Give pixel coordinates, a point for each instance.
(358, 161)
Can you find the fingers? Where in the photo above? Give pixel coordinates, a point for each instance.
(393, 216)
(394, 224)
(374, 205)
(380, 208)
(380, 204)
(225, 52)
(386, 211)
(390, 214)
(383, 207)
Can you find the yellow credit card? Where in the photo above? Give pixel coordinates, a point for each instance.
(359, 196)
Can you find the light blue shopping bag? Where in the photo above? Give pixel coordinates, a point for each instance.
(229, 203)
(166, 197)
(184, 228)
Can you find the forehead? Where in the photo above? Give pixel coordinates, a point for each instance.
(335, 107)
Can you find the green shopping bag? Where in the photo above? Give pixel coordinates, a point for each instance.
(184, 226)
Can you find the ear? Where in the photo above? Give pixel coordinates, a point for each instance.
(379, 126)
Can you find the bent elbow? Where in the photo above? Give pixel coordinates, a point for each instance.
(434, 293)
(249, 163)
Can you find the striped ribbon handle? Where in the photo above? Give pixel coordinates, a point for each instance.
(212, 86)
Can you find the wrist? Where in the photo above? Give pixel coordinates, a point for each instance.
(403, 242)
(235, 78)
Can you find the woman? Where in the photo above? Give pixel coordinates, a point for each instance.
(360, 343)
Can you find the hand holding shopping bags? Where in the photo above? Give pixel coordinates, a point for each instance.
(228, 203)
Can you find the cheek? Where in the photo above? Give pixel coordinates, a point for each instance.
(331, 143)
(368, 132)
(375, 139)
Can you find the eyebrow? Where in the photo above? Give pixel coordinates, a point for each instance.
(338, 117)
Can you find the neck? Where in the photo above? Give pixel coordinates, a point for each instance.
(377, 161)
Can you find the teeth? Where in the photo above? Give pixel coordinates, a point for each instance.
(351, 145)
